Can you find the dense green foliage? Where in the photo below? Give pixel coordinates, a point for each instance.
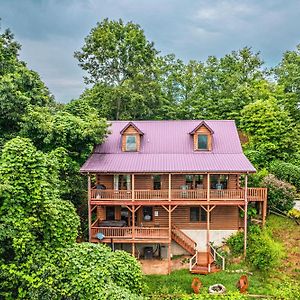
(281, 195)
(263, 253)
(287, 172)
(39, 258)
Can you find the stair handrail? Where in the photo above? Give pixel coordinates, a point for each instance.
(215, 254)
(185, 236)
(195, 259)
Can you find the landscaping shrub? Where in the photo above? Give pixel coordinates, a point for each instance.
(236, 243)
(287, 172)
(125, 271)
(281, 194)
(263, 252)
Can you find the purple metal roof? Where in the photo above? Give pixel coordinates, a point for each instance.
(167, 146)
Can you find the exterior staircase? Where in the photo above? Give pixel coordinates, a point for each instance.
(201, 262)
(183, 240)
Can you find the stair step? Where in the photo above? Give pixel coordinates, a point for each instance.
(198, 269)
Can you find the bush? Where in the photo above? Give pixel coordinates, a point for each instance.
(281, 194)
(287, 172)
(125, 271)
(236, 243)
(80, 271)
(263, 252)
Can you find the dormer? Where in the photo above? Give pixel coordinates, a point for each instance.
(131, 138)
(203, 137)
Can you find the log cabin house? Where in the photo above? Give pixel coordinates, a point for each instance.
(165, 188)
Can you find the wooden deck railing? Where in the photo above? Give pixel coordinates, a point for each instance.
(110, 194)
(254, 194)
(128, 232)
(151, 194)
(189, 194)
(227, 194)
(257, 194)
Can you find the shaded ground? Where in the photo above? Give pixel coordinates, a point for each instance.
(160, 266)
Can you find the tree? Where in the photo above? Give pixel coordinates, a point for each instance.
(272, 133)
(120, 62)
(20, 88)
(287, 74)
(114, 52)
(32, 216)
(221, 86)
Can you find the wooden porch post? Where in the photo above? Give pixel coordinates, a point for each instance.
(208, 236)
(208, 221)
(132, 187)
(264, 211)
(170, 240)
(89, 208)
(245, 215)
(208, 187)
(133, 230)
(170, 185)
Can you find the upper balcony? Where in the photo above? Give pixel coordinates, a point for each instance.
(177, 196)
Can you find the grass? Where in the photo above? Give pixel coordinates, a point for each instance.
(179, 282)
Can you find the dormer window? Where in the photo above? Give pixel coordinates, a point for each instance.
(202, 142)
(203, 137)
(131, 138)
(131, 143)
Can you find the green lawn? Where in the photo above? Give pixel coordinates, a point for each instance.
(179, 282)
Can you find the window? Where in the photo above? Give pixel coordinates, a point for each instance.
(218, 182)
(147, 213)
(122, 182)
(110, 213)
(189, 181)
(198, 214)
(202, 142)
(194, 181)
(131, 143)
(156, 182)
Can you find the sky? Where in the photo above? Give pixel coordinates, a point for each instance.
(51, 30)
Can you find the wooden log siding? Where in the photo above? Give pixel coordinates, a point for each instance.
(203, 130)
(222, 217)
(131, 131)
(145, 182)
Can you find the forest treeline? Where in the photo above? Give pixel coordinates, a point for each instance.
(43, 144)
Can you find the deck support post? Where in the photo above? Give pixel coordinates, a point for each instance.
(170, 240)
(245, 215)
(208, 221)
(208, 237)
(264, 211)
(89, 208)
(133, 230)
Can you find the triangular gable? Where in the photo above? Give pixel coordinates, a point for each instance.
(202, 123)
(134, 126)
